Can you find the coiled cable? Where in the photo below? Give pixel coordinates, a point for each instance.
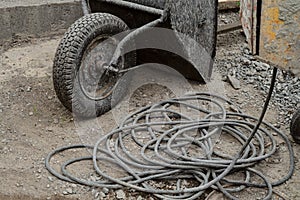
(176, 142)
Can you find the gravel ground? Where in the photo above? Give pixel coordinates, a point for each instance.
(239, 63)
(33, 122)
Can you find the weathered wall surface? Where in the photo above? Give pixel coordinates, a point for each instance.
(280, 34)
(36, 19)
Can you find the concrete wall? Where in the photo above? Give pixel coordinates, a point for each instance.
(36, 18)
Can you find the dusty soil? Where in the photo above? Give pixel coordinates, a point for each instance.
(33, 122)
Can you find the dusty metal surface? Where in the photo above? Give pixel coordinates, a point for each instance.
(196, 20)
(280, 34)
(249, 22)
(277, 40)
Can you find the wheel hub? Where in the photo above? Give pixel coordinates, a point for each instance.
(97, 79)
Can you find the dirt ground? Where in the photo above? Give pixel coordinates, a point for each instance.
(33, 122)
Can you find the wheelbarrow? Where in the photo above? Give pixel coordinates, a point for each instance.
(89, 60)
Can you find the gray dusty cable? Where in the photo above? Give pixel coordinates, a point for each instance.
(167, 140)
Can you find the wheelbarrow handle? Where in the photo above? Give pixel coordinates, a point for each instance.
(135, 6)
(85, 7)
(119, 50)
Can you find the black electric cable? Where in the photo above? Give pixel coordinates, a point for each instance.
(176, 140)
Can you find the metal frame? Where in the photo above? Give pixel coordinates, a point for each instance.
(112, 67)
(140, 18)
(271, 27)
(85, 7)
(135, 6)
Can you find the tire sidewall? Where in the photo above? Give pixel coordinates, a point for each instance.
(295, 126)
(82, 106)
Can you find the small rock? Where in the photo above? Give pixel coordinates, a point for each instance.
(256, 63)
(224, 78)
(65, 192)
(120, 194)
(247, 51)
(28, 89)
(234, 109)
(50, 178)
(96, 195)
(277, 125)
(69, 190)
(105, 190)
(49, 129)
(295, 80)
(234, 82)
(5, 149)
(30, 113)
(19, 90)
(93, 179)
(140, 198)
(102, 195)
(246, 61)
(228, 65)
(265, 66)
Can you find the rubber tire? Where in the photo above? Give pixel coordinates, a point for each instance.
(295, 126)
(68, 58)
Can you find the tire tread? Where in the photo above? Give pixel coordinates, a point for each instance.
(69, 54)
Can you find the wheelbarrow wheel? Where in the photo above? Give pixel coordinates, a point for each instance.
(295, 127)
(80, 79)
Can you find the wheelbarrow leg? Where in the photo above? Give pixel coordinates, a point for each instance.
(295, 126)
